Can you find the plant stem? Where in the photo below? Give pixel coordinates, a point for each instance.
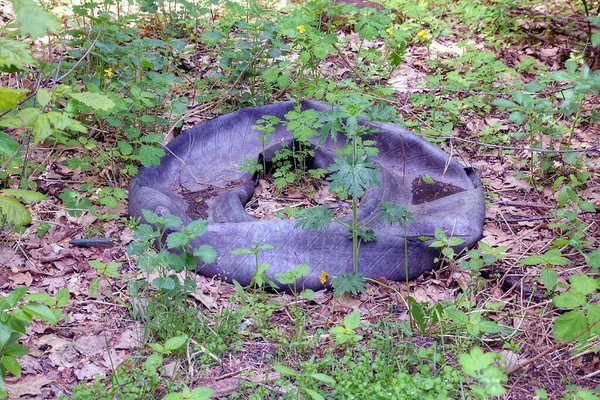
(354, 236)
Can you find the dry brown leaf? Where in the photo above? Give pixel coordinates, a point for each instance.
(28, 385)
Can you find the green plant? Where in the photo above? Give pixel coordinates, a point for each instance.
(105, 271)
(17, 311)
(346, 333)
(306, 379)
(479, 365)
(134, 379)
(12, 211)
(445, 243)
(292, 276)
(483, 255)
(259, 278)
(583, 318)
(168, 271)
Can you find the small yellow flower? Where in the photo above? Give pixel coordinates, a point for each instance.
(108, 72)
(389, 30)
(301, 28)
(423, 34)
(424, 3)
(323, 277)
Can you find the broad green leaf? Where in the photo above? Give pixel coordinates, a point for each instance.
(12, 365)
(96, 101)
(312, 393)
(570, 299)
(40, 311)
(9, 98)
(554, 257)
(593, 259)
(40, 297)
(284, 370)
(14, 55)
(534, 86)
(150, 155)
(352, 320)
(13, 298)
(8, 145)
(175, 342)
(5, 333)
(15, 213)
(323, 378)
(476, 361)
(166, 283)
(61, 122)
(156, 347)
(206, 253)
(32, 20)
(548, 277)
(201, 393)
(41, 128)
(457, 316)
(417, 313)
(177, 240)
(43, 97)
(16, 350)
(504, 103)
(595, 39)
(583, 283)
(27, 196)
(197, 227)
(593, 315)
(569, 326)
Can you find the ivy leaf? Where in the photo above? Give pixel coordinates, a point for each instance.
(352, 282)
(32, 20)
(353, 176)
(96, 101)
(315, 218)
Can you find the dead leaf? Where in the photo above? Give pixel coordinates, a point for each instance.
(28, 385)
(345, 302)
(88, 371)
(21, 279)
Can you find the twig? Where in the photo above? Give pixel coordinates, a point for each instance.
(80, 60)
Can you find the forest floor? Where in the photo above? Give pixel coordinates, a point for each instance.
(100, 332)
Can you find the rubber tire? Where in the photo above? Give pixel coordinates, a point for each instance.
(209, 155)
